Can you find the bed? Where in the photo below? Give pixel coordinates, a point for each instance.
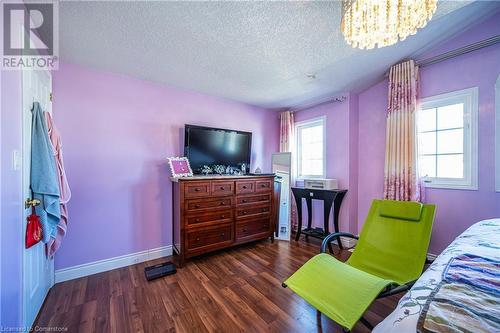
(481, 239)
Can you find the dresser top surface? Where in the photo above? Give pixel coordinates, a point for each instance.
(217, 177)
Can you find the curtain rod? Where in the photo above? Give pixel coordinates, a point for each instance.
(458, 52)
(318, 103)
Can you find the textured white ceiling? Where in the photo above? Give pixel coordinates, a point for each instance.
(254, 52)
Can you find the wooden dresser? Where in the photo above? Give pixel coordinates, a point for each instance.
(212, 213)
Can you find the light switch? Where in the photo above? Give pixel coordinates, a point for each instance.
(16, 160)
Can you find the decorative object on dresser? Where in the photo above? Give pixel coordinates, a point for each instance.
(179, 167)
(216, 212)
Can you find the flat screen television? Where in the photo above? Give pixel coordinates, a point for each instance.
(216, 146)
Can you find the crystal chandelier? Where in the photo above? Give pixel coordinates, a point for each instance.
(377, 23)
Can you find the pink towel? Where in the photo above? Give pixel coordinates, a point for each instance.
(65, 192)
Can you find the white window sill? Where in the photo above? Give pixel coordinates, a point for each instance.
(309, 177)
(467, 187)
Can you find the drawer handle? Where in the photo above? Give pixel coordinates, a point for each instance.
(196, 206)
(264, 209)
(222, 235)
(243, 201)
(197, 239)
(244, 212)
(244, 186)
(263, 185)
(223, 216)
(222, 187)
(197, 189)
(222, 203)
(244, 229)
(197, 220)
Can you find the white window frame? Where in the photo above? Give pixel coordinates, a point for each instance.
(497, 134)
(305, 124)
(469, 97)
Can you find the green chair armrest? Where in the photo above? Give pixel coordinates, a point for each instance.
(333, 236)
(397, 290)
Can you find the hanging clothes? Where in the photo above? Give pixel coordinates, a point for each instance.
(65, 191)
(44, 183)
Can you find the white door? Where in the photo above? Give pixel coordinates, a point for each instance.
(38, 270)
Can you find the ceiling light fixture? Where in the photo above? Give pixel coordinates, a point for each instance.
(377, 23)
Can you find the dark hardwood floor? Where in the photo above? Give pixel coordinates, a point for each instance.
(229, 291)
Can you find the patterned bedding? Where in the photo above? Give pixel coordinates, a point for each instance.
(481, 239)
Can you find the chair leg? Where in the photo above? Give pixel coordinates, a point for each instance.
(366, 323)
(330, 248)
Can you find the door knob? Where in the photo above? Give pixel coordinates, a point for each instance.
(31, 203)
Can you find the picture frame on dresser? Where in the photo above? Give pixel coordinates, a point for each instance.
(179, 167)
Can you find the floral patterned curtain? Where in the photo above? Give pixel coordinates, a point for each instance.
(401, 175)
(287, 132)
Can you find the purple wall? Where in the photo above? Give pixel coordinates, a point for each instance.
(456, 209)
(353, 161)
(117, 132)
(340, 133)
(11, 245)
(372, 123)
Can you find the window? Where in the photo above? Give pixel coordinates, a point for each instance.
(447, 140)
(310, 148)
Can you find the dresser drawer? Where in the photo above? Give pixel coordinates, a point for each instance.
(194, 189)
(217, 217)
(264, 185)
(197, 205)
(252, 228)
(209, 238)
(222, 188)
(253, 211)
(245, 186)
(253, 199)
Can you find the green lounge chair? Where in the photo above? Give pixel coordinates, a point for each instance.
(389, 257)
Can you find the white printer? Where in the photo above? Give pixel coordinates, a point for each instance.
(321, 184)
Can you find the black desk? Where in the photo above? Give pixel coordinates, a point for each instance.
(330, 197)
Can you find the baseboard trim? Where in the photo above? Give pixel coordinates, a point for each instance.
(104, 265)
(431, 256)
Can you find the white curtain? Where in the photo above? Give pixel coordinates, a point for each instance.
(401, 180)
